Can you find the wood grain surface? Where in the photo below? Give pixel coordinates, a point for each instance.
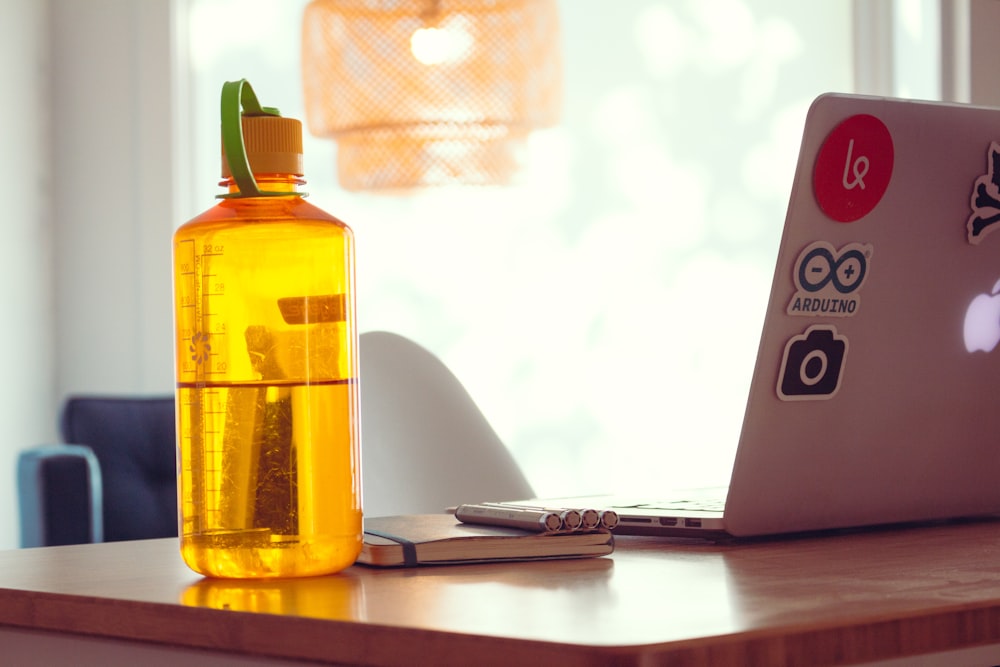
(829, 599)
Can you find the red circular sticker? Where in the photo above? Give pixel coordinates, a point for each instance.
(853, 168)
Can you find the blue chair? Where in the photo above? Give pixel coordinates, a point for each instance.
(59, 489)
(115, 479)
(425, 446)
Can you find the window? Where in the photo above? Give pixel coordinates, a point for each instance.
(604, 314)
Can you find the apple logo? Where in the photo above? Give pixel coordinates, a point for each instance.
(982, 321)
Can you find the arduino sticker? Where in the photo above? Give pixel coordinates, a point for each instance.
(827, 280)
(813, 364)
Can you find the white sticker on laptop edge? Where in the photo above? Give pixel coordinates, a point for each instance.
(985, 200)
(827, 280)
(812, 366)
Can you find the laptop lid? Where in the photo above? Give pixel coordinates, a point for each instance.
(874, 397)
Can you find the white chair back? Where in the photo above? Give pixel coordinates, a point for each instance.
(425, 445)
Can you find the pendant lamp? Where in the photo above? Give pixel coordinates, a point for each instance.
(430, 92)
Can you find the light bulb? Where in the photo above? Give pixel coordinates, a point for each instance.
(434, 46)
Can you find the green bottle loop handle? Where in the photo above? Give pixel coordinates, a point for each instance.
(237, 94)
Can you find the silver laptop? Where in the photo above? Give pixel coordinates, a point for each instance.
(876, 393)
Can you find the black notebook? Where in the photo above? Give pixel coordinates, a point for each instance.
(440, 539)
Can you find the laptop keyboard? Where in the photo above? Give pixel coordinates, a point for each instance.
(693, 505)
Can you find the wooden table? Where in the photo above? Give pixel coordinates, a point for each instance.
(833, 599)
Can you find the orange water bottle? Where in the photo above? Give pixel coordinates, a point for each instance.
(269, 466)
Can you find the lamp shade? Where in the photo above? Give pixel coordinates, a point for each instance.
(430, 92)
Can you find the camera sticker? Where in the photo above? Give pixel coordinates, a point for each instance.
(853, 168)
(812, 365)
(827, 280)
(985, 200)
